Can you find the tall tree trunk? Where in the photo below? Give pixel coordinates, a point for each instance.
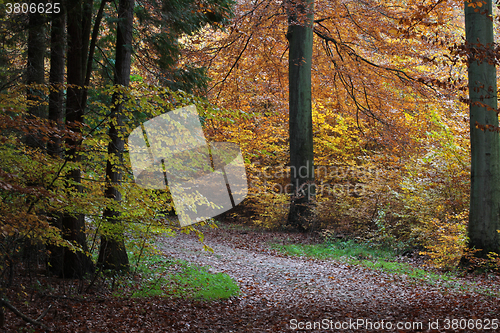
(35, 75)
(112, 253)
(90, 58)
(56, 78)
(35, 72)
(86, 28)
(56, 113)
(75, 264)
(300, 37)
(484, 218)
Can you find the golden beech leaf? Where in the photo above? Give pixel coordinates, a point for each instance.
(394, 31)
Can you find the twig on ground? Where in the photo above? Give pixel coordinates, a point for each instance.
(24, 317)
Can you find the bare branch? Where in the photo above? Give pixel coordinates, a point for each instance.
(27, 319)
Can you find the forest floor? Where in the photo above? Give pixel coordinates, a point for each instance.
(279, 293)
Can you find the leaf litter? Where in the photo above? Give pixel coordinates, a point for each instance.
(279, 293)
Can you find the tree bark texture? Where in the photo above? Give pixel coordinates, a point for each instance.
(35, 71)
(485, 147)
(56, 114)
(56, 78)
(300, 36)
(112, 254)
(75, 264)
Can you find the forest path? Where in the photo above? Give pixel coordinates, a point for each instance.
(267, 277)
(280, 292)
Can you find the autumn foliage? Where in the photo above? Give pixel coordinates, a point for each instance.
(390, 132)
(389, 110)
(390, 140)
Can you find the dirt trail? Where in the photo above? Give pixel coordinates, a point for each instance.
(263, 275)
(313, 290)
(278, 294)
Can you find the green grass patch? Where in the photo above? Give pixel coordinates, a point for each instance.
(381, 258)
(199, 283)
(157, 275)
(339, 250)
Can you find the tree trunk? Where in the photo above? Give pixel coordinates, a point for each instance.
(56, 114)
(90, 58)
(484, 216)
(56, 79)
(112, 253)
(300, 36)
(76, 264)
(35, 71)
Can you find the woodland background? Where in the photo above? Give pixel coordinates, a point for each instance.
(390, 123)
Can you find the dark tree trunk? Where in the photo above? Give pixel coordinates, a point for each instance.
(86, 27)
(35, 75)
(35, 72)
(484, 216)
(112, 254)
(56, 79)
(75, 264)
(300, 36)
(56, 113)
(90, 58)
